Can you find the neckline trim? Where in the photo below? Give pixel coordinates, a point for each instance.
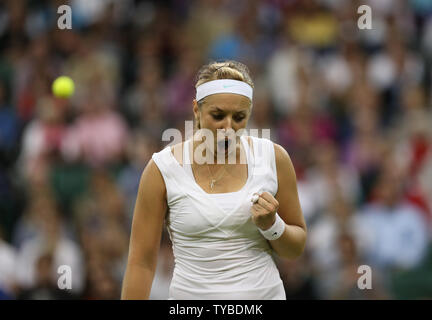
(188, 168)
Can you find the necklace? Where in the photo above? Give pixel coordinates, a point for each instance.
(213, 180)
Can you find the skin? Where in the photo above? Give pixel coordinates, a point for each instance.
(220, 111)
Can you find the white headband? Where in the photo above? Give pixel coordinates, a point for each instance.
(224, 86)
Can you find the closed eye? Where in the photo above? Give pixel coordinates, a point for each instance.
(218, 116)
(239, 118)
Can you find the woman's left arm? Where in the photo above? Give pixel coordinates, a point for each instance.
(286, 203)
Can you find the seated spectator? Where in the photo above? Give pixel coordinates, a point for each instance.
(45, 287)
(98, 136)
(42, 139)
(348, 276)
(327, 255)
(51, 237)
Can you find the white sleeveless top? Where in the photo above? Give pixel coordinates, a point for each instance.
(219, 252)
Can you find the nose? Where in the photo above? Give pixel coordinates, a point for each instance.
(227, 124)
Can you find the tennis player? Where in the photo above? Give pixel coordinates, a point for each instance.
(224, 219)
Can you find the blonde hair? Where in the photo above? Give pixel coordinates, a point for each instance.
(229, 69)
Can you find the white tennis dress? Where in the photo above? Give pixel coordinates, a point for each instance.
(219, 252)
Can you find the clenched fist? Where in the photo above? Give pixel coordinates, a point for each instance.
(264, 210)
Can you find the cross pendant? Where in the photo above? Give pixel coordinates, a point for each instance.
(212, 184)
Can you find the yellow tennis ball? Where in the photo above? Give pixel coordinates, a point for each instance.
(63, 87)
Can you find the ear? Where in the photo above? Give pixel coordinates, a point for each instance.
(196, 112)
(195, 109)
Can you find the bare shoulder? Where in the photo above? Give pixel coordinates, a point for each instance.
(280, 153)
(283, 162)
(152, 176)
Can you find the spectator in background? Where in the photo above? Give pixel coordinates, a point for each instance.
(334, 251)
(414, 149)
(51, 237)
(330, 179)
(364, 151)
(391, 231)
(298, 278)
(101, 284)
(103, 203)
(425, 184)
(242, 41)
(282, 74)
(180, 89)
(32, 77)
(8, 265)
(145, 102)
(346, 286)
(103, 232)
(9, 129)
(313, 25)
(45, 287)
(140, 148)
(94, 66)
(99, 134)
(9, 140)
(28, 227)
(208, 21)
(389, 71)
(43, 138)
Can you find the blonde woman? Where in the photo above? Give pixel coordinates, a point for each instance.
(224, 218)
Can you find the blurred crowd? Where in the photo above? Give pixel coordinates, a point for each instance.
(352, 108)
